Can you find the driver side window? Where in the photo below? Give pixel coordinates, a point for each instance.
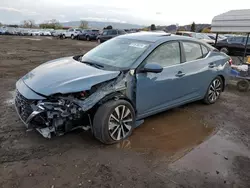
(166, 54)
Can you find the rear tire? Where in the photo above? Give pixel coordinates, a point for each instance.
(114, 121)
(87, 38)
(214, 91)
(224, 50)
(243, 85)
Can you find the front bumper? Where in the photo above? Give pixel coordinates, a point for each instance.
(25, 103)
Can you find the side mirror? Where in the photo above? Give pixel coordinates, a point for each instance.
(152, 67)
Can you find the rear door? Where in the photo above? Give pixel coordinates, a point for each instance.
(112, 33)
(199, 69)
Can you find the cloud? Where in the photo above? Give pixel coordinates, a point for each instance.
(22, 11)
(9, 9)
(102, 19)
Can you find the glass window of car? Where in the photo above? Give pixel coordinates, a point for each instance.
(95, 31)
(186, 34)
(105, 33)
(112, 32)
(244, 40)
(118, 53)
(192, 51)
(204, 50)
(235, 39)
(166, 54)
(121, 32)
(70, 30)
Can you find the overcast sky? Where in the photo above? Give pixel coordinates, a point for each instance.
(143, 12)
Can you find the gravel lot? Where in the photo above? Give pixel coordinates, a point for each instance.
(191, 146)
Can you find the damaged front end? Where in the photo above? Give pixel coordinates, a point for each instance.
(61, 113)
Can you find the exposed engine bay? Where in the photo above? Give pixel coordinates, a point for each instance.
(61, 113)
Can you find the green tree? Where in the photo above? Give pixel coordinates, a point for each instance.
(83, 24)
(152, 27)
(193, 27)
(1, 24)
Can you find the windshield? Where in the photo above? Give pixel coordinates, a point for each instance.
(119, 53)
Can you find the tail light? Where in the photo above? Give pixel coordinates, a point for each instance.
(230, 62)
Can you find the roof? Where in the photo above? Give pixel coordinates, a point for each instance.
(145, 36)
(232, 21)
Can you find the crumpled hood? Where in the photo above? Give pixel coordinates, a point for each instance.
(65, 75)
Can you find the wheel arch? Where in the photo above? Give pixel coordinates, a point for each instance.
(118, 95)
(223, 80)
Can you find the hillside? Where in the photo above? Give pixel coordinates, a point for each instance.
(101, 25)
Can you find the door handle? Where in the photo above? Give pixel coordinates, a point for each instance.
(180, 74)
(211, 65)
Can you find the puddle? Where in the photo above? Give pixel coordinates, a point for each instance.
(10, 101)
(170, 132)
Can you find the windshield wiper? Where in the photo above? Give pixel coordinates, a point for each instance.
(93, 64)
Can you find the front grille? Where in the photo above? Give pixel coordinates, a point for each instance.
(23, 106)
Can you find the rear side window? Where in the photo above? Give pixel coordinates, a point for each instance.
(166, 54)
(121, 32)
(186, 34)
(113, 32)
(192, 51)
(204, 50)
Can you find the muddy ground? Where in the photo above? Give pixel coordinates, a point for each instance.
(191, 146)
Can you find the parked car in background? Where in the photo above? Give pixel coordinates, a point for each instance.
(71, 33)
(109, 34)
(111, 88)
(88, 34)
(57, 33)
(234, 45)
(199, 36)
(45, 33)
(213, 36)
(35, 32)
(2, 31)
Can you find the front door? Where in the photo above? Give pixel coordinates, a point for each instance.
(158, 91)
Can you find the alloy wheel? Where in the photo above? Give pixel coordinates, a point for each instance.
(214, 90)
(120, 123)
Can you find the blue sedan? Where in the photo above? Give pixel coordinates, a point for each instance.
(113, 87)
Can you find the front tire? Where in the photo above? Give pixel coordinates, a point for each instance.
(214, 91)
(72, 37)
(114, 121)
